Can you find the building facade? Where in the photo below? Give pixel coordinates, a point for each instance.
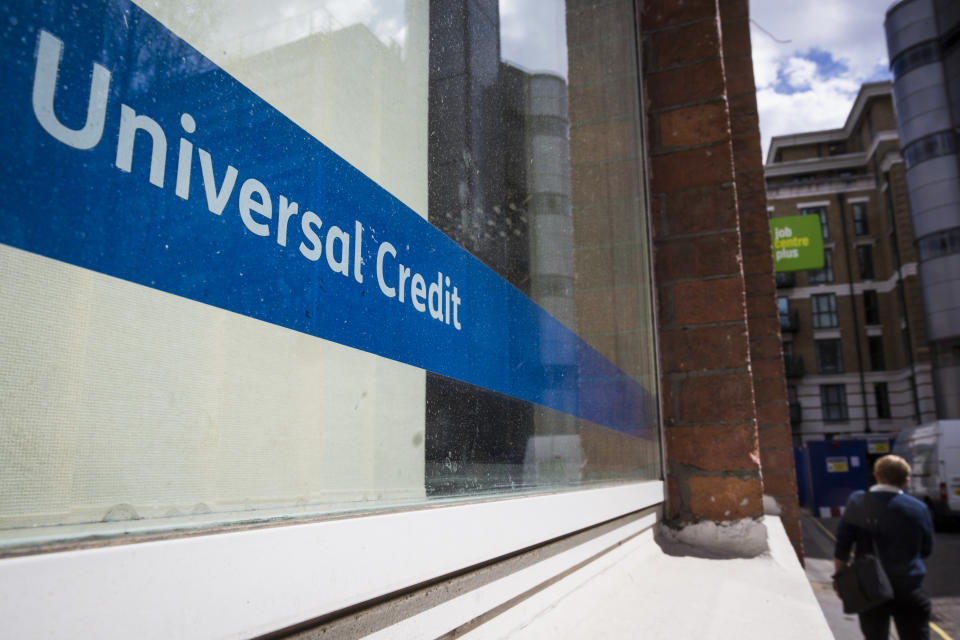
(855, 346)
(320, 317)
(923, 41)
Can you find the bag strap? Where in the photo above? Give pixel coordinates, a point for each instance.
(872, 520)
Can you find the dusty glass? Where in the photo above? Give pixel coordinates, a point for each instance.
(266, 261)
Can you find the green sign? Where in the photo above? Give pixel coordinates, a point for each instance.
(797, 243)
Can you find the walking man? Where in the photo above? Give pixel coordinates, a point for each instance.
(904, 536)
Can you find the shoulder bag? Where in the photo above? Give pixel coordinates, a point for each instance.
(863, 584)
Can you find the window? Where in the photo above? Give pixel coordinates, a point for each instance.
(238, 359)
(836, 148)
(829, 356)
(860, 225)
(942, 243)
(915, 57)
(935, 145)
(796, 413)
(865, 260)
(833, 402)
(785, 279)
(818, 211)
(871, 307)
(824, 275)
(882, 396)
(888, 204)
(875, 346)
(788, 318)
(824, 308)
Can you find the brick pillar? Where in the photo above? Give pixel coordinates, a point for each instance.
(709, 411)
(766, 349)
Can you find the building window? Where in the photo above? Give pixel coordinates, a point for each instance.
(942, 243)
(829, 356)
(860, 225)
(259, 371)
(836, 148)
(882, 396)
(796, 414)
(818, 211)
(871, 307)
(788, 317)
(824, 309)
(915, 57)
(935, 145)
(877, 358)
(833, 402)
(865, 260)
(824, 275)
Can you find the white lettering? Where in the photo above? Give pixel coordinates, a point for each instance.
(436, 312)
(285, 210)
(216, 198)
(357, 255)
(385, 248)
(310, 224)
(253, 201)
(185, 158)
(418, 290)
(456, 308)
(341, 265)
(130, 123)
(248, 204)
(45, 85)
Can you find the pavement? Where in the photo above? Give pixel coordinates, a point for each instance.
(942, 583)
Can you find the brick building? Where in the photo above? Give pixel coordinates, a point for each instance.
(857, 360)
(238, 423)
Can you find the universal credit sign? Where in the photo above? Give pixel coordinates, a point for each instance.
(129, 153)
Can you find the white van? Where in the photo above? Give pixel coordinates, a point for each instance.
(933, 451)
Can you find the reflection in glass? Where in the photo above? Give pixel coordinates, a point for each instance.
(502, 156)
(514, 128)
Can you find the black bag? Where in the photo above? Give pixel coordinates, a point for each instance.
(864, 584)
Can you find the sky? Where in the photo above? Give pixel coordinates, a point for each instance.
(810, 82)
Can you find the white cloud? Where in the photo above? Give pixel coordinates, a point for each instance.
(800, 73)
(794, 93)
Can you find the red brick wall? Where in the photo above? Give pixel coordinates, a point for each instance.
(726, 421)
(766, 351)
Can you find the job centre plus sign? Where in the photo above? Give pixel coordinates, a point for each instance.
(797, 243)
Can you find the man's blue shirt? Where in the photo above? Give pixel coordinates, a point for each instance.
(904, 534)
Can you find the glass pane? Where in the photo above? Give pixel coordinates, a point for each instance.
(307, 257)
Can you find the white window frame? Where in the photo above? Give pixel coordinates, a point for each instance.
(250, 582)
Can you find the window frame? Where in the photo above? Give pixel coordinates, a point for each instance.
(824, 345)
(818, 314)
(876, 354)
(821, 211)
(824, 275)
(865, 262)
(840, 403)
(871, 307)
(269, 578)
(881, 393)
(861, 223)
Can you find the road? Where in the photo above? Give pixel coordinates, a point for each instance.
(943, 583)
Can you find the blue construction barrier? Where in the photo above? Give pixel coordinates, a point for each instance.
(800, 463)
(836, 469)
